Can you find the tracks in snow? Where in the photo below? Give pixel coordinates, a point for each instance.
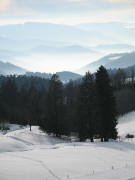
(21, 140)
(41, 164)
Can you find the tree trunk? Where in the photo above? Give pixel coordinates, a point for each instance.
(106, 139)
(30, 125)
(92, 140)
(102, 139)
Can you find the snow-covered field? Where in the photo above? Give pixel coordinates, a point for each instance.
(26, 155)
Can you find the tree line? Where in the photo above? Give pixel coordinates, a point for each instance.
(87, 108)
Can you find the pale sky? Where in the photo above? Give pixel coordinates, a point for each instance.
(67, 11)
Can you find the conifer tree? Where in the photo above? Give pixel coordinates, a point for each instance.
(70, 98)
(55, 106)
(9, 98)
(3, 113)
(33, 107)
(86, 108)
(107, 115)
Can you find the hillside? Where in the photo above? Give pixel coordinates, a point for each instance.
(116, 47)
(119, 60)
(64, 76)
(34, 34)
(38, 45)
(48, 32)
(51, 158)
(127, 124)
(61, 50)
(8, 68)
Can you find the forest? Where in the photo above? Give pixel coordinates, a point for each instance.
(88, 108)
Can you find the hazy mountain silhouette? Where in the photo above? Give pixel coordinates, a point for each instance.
(64, 76)
(8, 69)
(118, 60)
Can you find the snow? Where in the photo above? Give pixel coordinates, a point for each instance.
(127, 124)
(114, 58)
(26, 155)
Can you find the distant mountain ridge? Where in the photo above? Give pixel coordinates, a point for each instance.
(118, 60)
(47, 32)
(9, 69)
(63, 49)
(64, 76)
(114, 48)
(42, 42)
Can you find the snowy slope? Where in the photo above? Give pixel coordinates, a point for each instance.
(26, 155)
(19, 139)
(8, 68)
(111, 61)
(127, 124)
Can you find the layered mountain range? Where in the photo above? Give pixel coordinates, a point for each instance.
(111, 61)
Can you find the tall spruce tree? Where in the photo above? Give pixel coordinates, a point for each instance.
(86, 108)
(9, 98)
(107, 115)
(55, 122)
(3, 112)
(33, 105)
(70, 95)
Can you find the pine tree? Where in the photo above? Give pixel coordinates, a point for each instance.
(106, 105)
(70, 107)
(3, 113)
(86, 108)
(9, 98)
(33, 105)
(55, 123)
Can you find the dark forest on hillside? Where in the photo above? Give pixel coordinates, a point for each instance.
(89, 107)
